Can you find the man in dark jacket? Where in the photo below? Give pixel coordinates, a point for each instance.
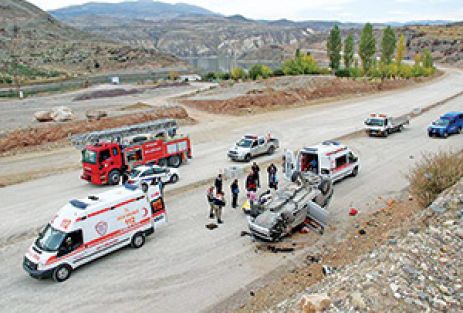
(235, 190)
(251, 182)
(219, 184)
(255, 170)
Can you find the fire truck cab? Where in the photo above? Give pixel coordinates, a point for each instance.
(86, 229)
(330, 159)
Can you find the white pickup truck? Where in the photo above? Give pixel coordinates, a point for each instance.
(251, 146)
(383, 125)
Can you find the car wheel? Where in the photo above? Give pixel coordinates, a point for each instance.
(114, 177)
(446, 134)
(271, 150)
(138, 240)
(247, 158)
(355, 171)
(175, 161)
(174, 179)
(61, 273)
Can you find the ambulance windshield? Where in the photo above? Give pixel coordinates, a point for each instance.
(50, 239)
(88, 156)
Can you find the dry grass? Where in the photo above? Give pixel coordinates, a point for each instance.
(433, 174)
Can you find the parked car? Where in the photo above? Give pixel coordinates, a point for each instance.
(449, 123)
(146, 173)
(251, 146)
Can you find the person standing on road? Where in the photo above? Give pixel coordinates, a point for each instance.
(219, 203)
(251, 182)
(219, 184)
(210, 200)
(255, 170)
(235, 190)
(272, 174)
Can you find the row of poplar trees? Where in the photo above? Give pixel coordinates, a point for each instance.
(366, 48)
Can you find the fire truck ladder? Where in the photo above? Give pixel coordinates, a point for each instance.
(117, 134)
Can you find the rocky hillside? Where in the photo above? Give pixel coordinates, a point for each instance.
(444, 41)
(141, 9)
(193, 36)
(44, 45)
(421, 272)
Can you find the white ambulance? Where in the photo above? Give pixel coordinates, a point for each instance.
(329, 158)
(86, 229)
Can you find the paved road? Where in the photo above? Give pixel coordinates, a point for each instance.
(185, 267)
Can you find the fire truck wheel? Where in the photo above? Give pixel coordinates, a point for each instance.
(114, 177)
(61, 273)
(175, 161)
(162, 162)
(138, 240)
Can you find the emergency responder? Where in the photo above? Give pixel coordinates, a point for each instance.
(210, 200)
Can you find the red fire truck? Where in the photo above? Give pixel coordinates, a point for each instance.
(107, 154)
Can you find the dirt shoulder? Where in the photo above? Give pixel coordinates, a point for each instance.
(366, 234)
(284, 92)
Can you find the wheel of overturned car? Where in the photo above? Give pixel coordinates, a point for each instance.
(138, 240)
(61, 273)
(174, 179)
(175, 161)
(114, 177)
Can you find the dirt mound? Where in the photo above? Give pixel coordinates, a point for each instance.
(34, 136)
(269, 98)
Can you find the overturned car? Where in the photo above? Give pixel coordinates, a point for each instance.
(303, 200)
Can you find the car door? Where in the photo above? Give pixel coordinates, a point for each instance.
(147, 176)
(262, 147)
(162, 173)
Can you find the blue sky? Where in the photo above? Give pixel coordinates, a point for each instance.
(344, 10)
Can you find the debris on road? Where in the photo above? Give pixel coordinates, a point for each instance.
(56, 114)
(211, 226)
(43, 116)
(93, 115)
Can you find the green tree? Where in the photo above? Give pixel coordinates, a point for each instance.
(400, 49)
(298, 53)
(300, 66)
(348, 51)
(333, 47)
(427, 59)
(237, 73)
(260, 71)
(367, 47)
(388, 45)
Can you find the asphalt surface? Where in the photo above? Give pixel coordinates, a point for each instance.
(184, 266)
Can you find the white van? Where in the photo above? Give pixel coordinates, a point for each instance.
(329, 158)
(86, 229)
